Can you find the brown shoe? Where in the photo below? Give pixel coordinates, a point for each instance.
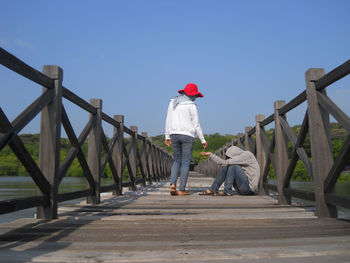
(222, 193)
(207, 192)
(183, 192)
(173, 190)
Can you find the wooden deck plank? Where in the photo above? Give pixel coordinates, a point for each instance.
(151, 226)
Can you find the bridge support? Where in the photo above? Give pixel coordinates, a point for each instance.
(260, 154)
(281, 153)
(118, 151)
(94, 151)
(248, 140)
(321, 147)
(133, 157)
(50, 144)
(144, 159)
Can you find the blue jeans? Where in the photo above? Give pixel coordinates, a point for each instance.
(182, 147)
(233, 176)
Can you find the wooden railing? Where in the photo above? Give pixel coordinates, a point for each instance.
(144, 161)
(321, 167)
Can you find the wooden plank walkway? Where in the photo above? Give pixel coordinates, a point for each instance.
(151, 226)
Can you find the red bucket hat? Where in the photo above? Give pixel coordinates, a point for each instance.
(191, 90)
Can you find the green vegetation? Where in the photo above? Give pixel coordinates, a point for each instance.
(216, 141)
(338, 135)
(11, 166)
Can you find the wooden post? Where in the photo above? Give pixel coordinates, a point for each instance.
(154, 162)
(50, 142)
(159, 168)
(169, 164)
(321, 151)
(94, 151)
(133, 157)
(247, 143)
(144, 159)
(281, 153)
(150, 160)
(260, 153)
(239, 138)
(118, 151)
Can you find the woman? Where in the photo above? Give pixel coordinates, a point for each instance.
(240, 170)
(182, 125)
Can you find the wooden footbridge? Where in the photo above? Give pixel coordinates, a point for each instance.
(136, 220)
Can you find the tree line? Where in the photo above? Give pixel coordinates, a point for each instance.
(11, 166)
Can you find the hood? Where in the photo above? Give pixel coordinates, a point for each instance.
(181, 99)
(233, 151)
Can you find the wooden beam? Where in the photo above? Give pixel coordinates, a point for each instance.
(322, 159)
(11, 62)
(24, 156)
(305, 195)
(298, 151)
(281, 153)
(288, 131)
(77, 150)
(331, 77)
(269, 159)
(251, 131)
(17, 204)
(336, 200)
(260, 153)
(108, 158)
(50, 142)
(337, 167)
(293, 103)
(118, 150)
(144, 157)
(271, 187)
(74, 195)
(267, 121)
(133, 156)
(110, 120)
(94, 151)
(69, 95)
(26, 116)
(334, 110)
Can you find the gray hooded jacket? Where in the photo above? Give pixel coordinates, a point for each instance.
(246, 160)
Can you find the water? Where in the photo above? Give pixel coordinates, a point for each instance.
(16, 186)
(22, 186)
(341, 189)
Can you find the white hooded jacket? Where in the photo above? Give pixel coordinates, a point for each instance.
(246, 160)
(182, 118)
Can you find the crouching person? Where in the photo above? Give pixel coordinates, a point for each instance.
(240, 170)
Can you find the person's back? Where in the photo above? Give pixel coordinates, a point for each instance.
(182, 118)
(182, 125)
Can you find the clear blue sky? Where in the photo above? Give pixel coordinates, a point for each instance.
(136, 55)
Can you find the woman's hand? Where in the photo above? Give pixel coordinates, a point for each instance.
(168, 142)
(205, 153)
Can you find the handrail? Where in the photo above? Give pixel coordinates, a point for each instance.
(69, 95)
(267, 121)
(11, 62)
(323, 170)
(140, 154)
(293, 103)
(336, 74)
